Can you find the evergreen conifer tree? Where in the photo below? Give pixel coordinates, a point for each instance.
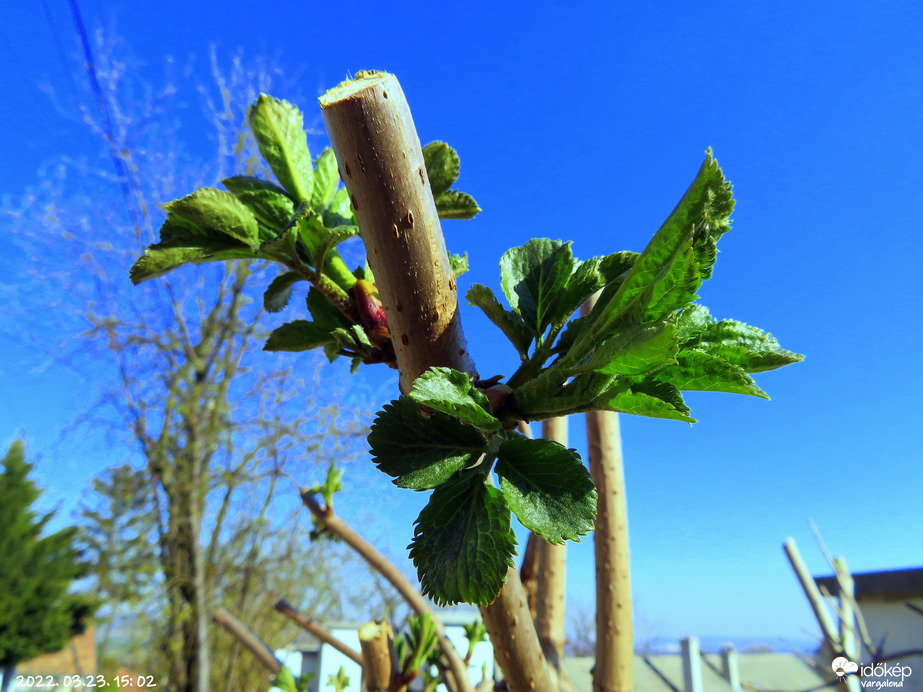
(37, 612)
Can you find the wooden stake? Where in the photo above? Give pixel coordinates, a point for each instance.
(614, 630)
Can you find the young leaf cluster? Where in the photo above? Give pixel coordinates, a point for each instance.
(298, 221)
(645, 341)
(463, 541)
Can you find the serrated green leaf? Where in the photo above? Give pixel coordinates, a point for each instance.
(324, 312)
(463, 545)
(269, 203)
(676, 289)
(576, 396)
(451, 392)
(453, 204)
(458, 264)
(219, 211)
(600, 272)
(422, 452)
(442, 166)
(340, 212)
(353, 338)
(326, 179)
(690, 322)
(509, 322)
(299, 335)
(158, 260)
(700, 371)
(749, 348)
(585, 281)
(701, 214)
(653, 399)
(635, 350)
(534, 278)
(615, 267)
(278, 127)
(280, 290)
(547, 487)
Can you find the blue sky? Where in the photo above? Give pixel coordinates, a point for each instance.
(587, 125)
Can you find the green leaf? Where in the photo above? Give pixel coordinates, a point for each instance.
(463, 545)
(269, 203)
(749, 348)
(451, 392)
(285, 680)
(159, 260)
(299, 335)
(635, 350)
(278, 127)
(453, 204)
(653, 399)
(576, 396)
(324, 312)
(534, 278)
(614, 268)
(221, 211)
(676, 289)
(585, 281)
(442, 166)
(547, 487)
(340, 212)
(422, 452)
(333, 483)
(699, 371)
(691, 322)
(353, 338)
(458, 264)
(699, 219)
(326, 179)
(509, 322)
(280, 290)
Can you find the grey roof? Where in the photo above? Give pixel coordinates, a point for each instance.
(896, 584)
(664, 673)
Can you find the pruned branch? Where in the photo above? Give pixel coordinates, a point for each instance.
(339, 528)
(378, 665)
(248, 639)
(322, 633)
(381, 163)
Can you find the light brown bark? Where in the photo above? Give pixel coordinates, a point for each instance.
(254, 644)
(339, 528)
(614, 635)
(322, 633)
(381, 162)
(378, 666)
(552, 575)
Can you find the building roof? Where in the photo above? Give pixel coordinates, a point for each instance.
(664, 673)
(894, 584)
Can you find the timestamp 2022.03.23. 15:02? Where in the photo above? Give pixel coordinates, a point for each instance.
(74, 682)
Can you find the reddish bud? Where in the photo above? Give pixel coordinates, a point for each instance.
(371, 310)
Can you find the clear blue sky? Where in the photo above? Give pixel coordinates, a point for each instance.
(587, 125)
